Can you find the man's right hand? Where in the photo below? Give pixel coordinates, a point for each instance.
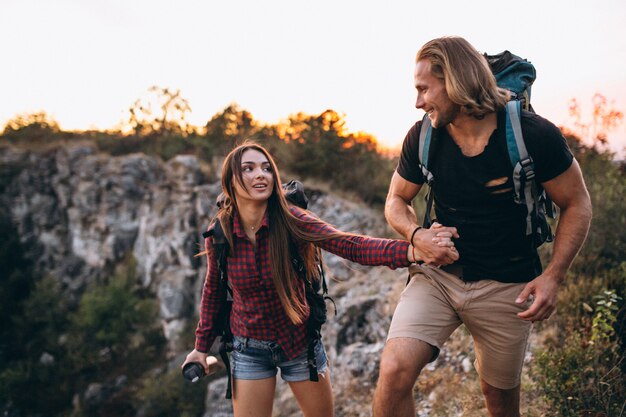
(435, 245)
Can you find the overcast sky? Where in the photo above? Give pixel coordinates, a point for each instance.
(86, 61)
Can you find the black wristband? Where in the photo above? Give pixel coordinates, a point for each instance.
(413, 234)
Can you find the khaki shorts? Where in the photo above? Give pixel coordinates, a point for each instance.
(435, 303)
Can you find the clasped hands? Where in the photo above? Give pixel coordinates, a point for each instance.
(435, 246)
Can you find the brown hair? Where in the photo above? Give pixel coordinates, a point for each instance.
(468, 79)
(284, 233)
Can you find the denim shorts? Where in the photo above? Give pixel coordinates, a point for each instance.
(257, 359)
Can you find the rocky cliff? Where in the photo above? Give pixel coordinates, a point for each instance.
(79, 212)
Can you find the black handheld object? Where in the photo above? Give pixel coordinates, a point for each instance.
(193, 371)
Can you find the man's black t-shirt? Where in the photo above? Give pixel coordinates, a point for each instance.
(475, 195)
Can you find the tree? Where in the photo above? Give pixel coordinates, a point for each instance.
(605, 246)
(163, 112)
(230, 127)
(604, 118)
(321, 147)
(31, 126)
(317, 142)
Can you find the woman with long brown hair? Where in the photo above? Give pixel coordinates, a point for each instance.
(269, 309)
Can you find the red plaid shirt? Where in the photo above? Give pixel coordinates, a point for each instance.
(257, 311)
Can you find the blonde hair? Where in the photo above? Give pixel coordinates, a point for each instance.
(468, 79)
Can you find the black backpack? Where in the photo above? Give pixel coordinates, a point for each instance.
(516, 75)
(316, 300)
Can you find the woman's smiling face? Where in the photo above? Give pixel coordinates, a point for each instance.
(257, 177)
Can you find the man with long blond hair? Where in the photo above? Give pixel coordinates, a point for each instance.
(493, 282)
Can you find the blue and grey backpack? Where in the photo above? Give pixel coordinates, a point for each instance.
(516, 75)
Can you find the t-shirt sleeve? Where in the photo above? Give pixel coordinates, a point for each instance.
(546, 145)
(409, 163)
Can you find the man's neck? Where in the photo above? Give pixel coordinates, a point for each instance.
(471, 134)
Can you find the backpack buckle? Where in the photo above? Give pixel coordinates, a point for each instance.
(428, 176)
(528, 168)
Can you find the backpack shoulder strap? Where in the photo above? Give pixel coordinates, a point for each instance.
(298, 265)
(514, 138)
(425, 141)
(316, 301)
(426, 133)
(523, 166)
(221, 248)
(526, 190)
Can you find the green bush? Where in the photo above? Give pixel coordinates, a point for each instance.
(113, 331)
(38, 327)
(171, 395)
(582, 372)
(605, 246)
(115, 323)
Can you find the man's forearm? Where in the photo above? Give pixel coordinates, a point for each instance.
(570, 235)
(400, 216)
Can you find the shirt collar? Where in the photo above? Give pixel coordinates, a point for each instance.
(238, 226)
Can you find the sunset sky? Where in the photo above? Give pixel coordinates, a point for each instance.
(86, 61)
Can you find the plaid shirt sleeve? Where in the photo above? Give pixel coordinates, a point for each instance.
(210, 303)
(363, 250)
